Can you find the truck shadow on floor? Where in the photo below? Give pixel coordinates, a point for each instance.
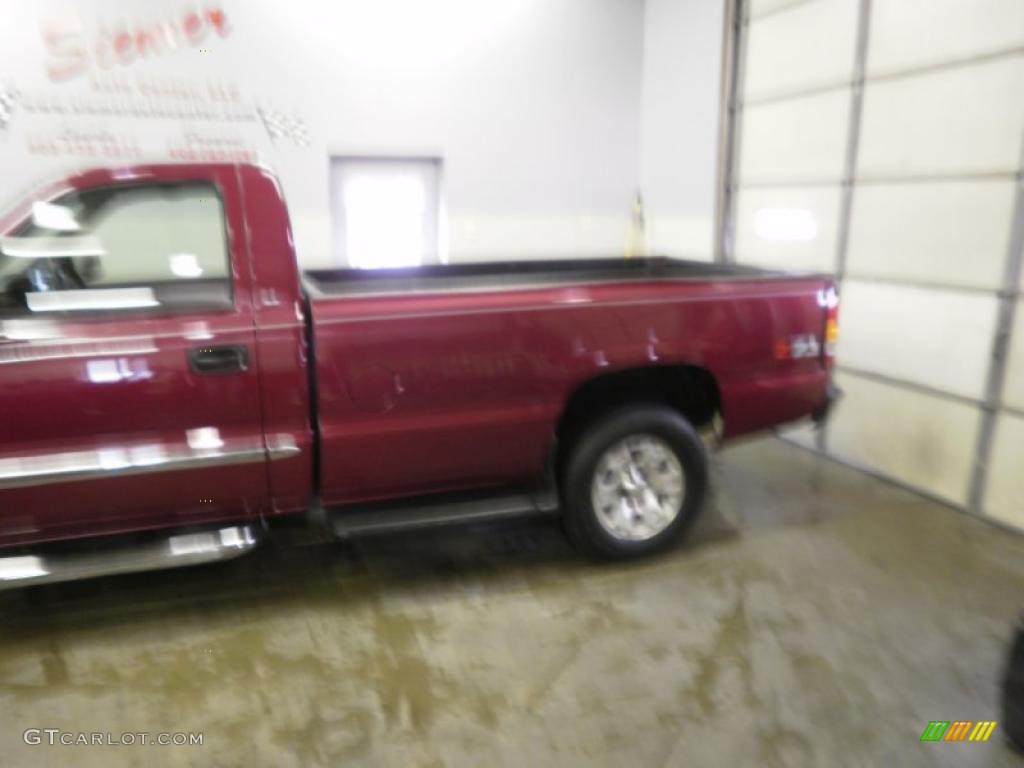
(345, 571)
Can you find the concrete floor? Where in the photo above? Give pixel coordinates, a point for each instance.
(818, 617)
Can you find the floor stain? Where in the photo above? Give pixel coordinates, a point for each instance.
(816, 617)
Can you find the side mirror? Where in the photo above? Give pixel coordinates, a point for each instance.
(54, 217)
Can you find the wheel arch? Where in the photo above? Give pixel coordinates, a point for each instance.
(690, 390)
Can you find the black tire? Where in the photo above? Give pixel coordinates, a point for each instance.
(581, 519)
(1013, 693)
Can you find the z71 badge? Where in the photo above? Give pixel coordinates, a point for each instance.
(797, 347)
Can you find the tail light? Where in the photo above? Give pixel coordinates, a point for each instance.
(829, 300)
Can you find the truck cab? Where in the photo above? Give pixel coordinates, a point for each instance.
(130, 356)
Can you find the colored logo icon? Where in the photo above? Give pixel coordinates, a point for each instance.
(958, 730)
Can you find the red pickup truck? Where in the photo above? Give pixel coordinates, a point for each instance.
(171, 383)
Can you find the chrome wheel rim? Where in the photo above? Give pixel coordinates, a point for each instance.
(638, 488)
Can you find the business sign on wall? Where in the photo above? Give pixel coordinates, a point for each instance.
(73, 52)
(161, 86)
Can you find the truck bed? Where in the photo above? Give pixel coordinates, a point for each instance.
(459, 374)
(523, 274)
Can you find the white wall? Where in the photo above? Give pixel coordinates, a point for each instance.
(534, 106)
(679, 124)
(531, 104)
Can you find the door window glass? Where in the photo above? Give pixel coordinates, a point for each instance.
(147, 247)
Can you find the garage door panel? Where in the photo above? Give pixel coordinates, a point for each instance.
(959, 120)
(1013, 387)
(956, 29)
(809, 45)
(1004, 494)
(788, 227)
(939, 339)
(800, 139)
(920, 439)
(762, 7)
(930, 217)
(953, 232)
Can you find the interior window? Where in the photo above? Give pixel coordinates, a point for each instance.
(153, 247)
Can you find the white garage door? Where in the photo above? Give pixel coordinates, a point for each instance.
(883, 140)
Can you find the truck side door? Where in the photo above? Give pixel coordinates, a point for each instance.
(128, 383)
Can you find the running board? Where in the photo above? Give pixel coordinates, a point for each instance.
(346, 522)
(130, 557)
